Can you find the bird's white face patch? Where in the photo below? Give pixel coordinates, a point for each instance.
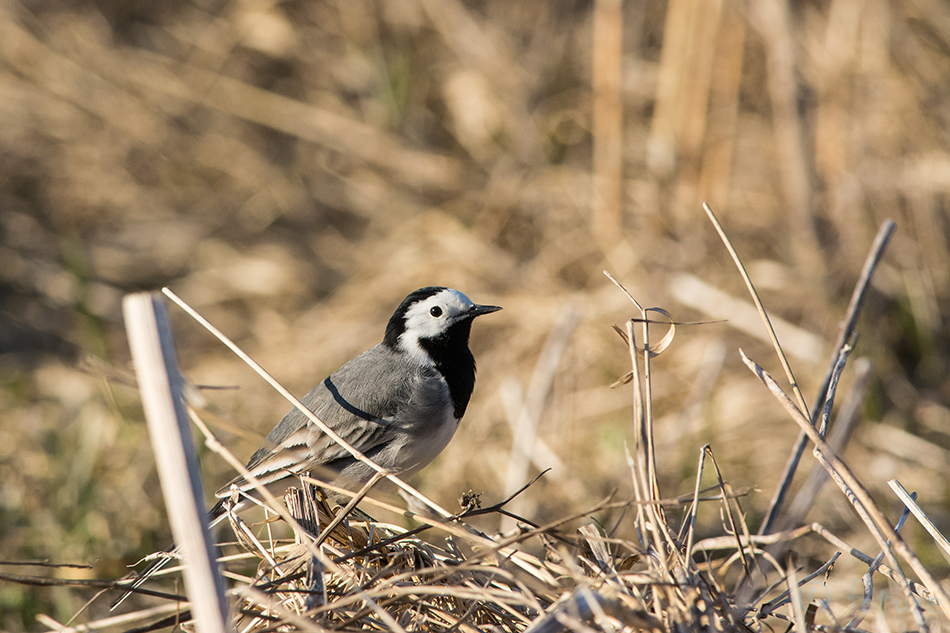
(431, 317)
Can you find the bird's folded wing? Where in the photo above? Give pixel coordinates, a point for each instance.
(310, 449)
(360, 401)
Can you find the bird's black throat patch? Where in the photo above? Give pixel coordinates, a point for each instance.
(449, 351)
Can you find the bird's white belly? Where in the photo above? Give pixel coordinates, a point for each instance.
(417, 452)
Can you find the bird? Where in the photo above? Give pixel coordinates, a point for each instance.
(399, 403)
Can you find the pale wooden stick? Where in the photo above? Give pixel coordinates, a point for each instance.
(153, 355)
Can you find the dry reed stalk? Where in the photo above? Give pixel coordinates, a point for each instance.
(799, 398)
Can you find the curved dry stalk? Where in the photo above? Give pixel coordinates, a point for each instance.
(758, 304)
(646, 484)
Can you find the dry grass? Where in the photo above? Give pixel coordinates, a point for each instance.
(294, 169)
(356, 573)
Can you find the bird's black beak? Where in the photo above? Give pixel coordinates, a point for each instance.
(477, 310)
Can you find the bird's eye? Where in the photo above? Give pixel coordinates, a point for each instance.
(436, 311)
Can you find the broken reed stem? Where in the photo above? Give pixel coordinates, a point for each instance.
(691, 524)
(858, 296)
(880, 528)
(832, 390)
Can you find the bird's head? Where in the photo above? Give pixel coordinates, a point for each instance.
(431, 319)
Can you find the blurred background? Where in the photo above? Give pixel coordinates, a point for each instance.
(293, 169)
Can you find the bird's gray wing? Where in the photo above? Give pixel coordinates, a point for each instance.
(359, 402)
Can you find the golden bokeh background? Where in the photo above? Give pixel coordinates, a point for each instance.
(293, 169)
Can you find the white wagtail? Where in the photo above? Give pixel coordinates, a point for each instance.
(398, 403)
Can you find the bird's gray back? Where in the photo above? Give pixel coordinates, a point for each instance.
(357, 401)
